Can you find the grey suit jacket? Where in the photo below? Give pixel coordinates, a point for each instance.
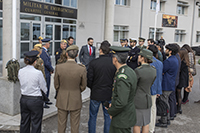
(84, 55)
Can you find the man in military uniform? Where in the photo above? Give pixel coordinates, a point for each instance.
(69, 90)
(122, 108)
(63, 46)
(141, 43)
(47, 66)
(124, 43)
(133, 54)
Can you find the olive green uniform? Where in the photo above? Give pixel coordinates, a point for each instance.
(122, 107)
(142, 47)
(40, 66)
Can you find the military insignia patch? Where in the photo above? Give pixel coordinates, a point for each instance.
(122, 76)
(56, 53)
(123, 70)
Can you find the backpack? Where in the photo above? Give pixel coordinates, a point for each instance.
(162, 107)
(13, 67)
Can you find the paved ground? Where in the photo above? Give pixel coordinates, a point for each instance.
(188, 122)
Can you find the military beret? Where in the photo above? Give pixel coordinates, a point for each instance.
(147, 54)
(132, 40)
(31, 54)
(141, 39)
(72, 47)
(64, 41)
(119, 49)
(40, 38)
(46, 40)
(38, 45)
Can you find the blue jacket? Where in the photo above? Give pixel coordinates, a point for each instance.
(47, 62)
(156, 88)
(170, 68)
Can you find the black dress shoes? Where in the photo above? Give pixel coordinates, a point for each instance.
(171, 118)
(179, 111)
(168, 121)
(46, 106)
(49, 103)
(160, 124)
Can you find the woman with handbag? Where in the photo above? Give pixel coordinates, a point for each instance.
(192, 72)
(183, 77)
(146, 75)
(31, 103)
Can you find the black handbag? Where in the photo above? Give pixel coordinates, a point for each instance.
(44, 96)
(162, 107)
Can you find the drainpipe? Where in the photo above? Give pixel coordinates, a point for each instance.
(141, 16)
(192, 29)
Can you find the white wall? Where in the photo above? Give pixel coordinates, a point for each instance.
(91, 13)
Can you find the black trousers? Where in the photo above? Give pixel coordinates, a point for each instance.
(172, 103)
(31, 114)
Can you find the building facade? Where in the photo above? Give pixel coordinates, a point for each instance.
(23, 21)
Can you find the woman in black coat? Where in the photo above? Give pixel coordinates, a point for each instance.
(183, 77)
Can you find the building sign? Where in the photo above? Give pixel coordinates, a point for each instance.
(33, 7)
(169, 21)
(1, 4)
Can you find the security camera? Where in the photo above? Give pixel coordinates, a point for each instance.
(198, 3)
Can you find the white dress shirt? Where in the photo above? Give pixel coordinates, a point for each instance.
(31, 81)
(89, 48)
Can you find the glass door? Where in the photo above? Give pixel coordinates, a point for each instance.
(30, 31)
(36, 32)
(53, 32)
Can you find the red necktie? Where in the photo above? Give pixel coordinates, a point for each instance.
(90, 51)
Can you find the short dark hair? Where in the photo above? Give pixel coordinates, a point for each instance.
(154, 49)
(90, 38)
(70, 38)
(121, 57)
(151, 40)
(172, 47)
(105, 47)
(72, 53)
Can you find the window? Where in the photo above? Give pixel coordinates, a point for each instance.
(50, 1)
(72, 3)
(120, 32)
(199, 12)
(198, 36)
(122, 2)
(159, 33)
(182, 7)
(179, 35)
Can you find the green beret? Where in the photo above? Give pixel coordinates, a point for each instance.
(119, 49)
(72, 47)
(147, 54)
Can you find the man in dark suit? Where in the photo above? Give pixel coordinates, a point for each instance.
(133, 54)
(170, 69)
(47, 65)
(70, 41)
(100, 76)
(87, 53)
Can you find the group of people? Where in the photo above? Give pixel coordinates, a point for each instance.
(125, 79)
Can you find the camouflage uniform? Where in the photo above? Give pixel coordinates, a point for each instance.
(40, 66)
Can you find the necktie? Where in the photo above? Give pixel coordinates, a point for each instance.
(90, 51)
